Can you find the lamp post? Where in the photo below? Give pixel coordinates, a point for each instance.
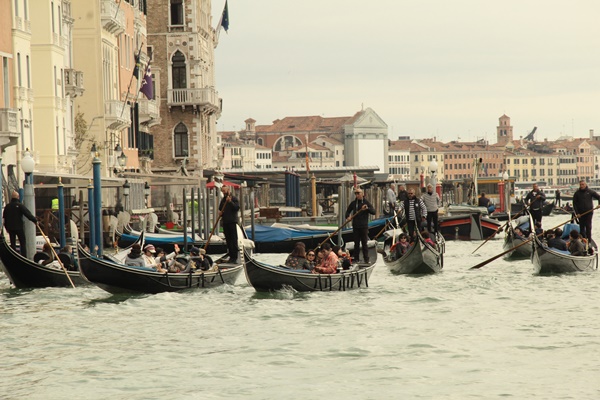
(61, 213)
(27, 165)
(433, 167)
(146, 192)
(505, 178)
(126, 187)
(97, 163)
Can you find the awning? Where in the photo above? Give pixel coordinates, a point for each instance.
(211, 184)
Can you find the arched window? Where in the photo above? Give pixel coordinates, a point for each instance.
(180, 140)
(286, 142)
(260, 141)
(178, 70)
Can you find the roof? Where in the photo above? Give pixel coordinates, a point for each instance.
(304, 124)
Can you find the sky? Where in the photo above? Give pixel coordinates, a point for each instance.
(428, 68)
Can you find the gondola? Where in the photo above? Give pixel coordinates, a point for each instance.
(552, 261)
(265, 278)
(471, 226)
(167, 241)
(119, 278)
(273, 239)
(512, 240)
(420, 259)
(24, 273)
(547, 209)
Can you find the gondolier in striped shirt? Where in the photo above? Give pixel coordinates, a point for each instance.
(415, 212)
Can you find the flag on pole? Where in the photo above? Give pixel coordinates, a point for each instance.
(224, 21)
(147, 87)
(136, 69)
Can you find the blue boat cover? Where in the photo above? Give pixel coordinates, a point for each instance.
(276, 234)
(171, 239)
(568, 229)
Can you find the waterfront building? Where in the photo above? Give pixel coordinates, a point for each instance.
(23, 91)
(182, 40)
(399, 160)
(57, 83)
(10, 128)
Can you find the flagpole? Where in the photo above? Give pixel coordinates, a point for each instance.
(137, 60)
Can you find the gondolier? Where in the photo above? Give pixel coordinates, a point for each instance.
(229, 207)
(13, 222)
(360, 223)
(557, 197)
(415, 212)
(391, 200)
(583, 202)
(535, 200)
(432, 203)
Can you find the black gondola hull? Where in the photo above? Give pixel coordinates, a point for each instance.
(117, 278)
(547, 261)
(266, 278)
(420, 259)
(24, 273)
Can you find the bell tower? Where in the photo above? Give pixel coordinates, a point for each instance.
(504, 131)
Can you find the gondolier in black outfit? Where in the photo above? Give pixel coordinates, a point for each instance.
(557, 197)
(360, 223)
(415, 212)
(535, 200)
(229, 208)
(13, 222)
(582, 202)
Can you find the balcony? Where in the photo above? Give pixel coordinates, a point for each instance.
(139, 21)
(117, 114)
(9, 127)
(66, 12)
(149, 112)
(23, 25)
(73, 83)
(113, 18)
(206, 99)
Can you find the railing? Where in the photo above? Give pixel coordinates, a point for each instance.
(148, 110)
(73, 82)
(206, 97)
(9, 122)
(113, 18)
(117, 114)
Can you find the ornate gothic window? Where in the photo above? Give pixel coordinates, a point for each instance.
(180, 140)
(178, 70)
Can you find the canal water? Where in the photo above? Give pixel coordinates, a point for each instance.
(496, 332)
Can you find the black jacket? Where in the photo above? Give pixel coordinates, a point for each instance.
(13, 215)
(535, 202)
(557, 243)
(230, 213)
(362, 219)
(582, 200)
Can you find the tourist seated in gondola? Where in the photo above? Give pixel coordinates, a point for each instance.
(134, 257)
(311, 257)
(199, 261)
(576, 246)
(168, 261)
(568, 207)
(554, 241)
(149, 258)
(329, 263)
(428, 240)
(401, 246)
(46, 256)
(519, 233)
(297, 258)
(344, 260)
(67, 258)
(538, 228)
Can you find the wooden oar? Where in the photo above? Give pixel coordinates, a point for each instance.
(338, 229)
(392, 218)
(214, 227)
(529, 240)
(55, 255)
(501, 228)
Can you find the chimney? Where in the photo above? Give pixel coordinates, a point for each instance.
(591, 134)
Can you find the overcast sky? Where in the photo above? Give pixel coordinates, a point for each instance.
(428, 67)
